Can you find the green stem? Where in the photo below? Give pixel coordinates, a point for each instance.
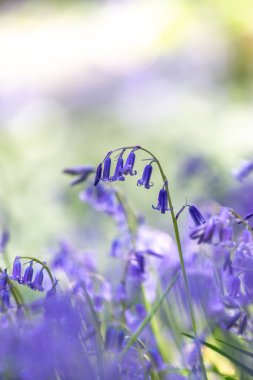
(181, 257)
(179, 246)
(150, 315)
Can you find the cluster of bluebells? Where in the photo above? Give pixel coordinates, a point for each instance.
(65, 319)
(28, 278)
(227, 301)
(122, 169)
(83, 332)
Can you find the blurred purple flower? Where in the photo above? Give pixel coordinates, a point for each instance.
(82, 173)
(162, 204)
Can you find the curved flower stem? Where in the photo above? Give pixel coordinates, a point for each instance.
(42, 264)
(179, 247)
(181, 257)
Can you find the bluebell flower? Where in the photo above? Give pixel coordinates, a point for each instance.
(5, 237)
(16, 270)
(98, 174)
(204, 233)
(82, 173)
(120, 293)
(37, 283)
(111, 339)
(146, 176)
(5, 299)
(228, 263)
(162, 204)
(118, 174)
(107, 168)
(3, 279)
(243, 172)
(27, 278)
(226, 236)
(196, 215)
(235, 287)
(129, 164)
(156, 359)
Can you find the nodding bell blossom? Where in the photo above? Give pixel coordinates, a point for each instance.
(107, 167)
(114, 339)
(5, 299)
(215, 230)
(37, 283)
(27, 278)
(98, 174)
(243, 172)
(118, 174)
(16, 270)
(196, 215)
(129, 164)
(5, 237)
(162, 204)
(82, 173)
(3, 279)
(146, 176)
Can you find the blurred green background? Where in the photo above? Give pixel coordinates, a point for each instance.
(79, 78)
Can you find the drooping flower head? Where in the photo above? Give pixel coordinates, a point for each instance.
(28, 275)
(4, 239)
(129, 164)
(107, 168)
(146, 176)
(98, 174)
(82, 173)
(16, 270)
(162, 204)
(196, 215)
(118, 173)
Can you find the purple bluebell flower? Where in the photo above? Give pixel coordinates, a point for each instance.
(120, 293)
(196, 216)
(3, 279)
(107, 167)
(129, 164)
(27, 278)
(248, 282)
(111, 338)
(204, 233)
(226, 236)
(5, 299)
(162, 204)
(16, 270)
(244, 171)
(235, 287)
(98, 174)
(37, 283)
(156, 359)
(137, 267)
(246, 236)
(5, 237)
(228, 263)
(82, 173)
(146, 176)
(118, 174)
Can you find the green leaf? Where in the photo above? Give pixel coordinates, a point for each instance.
(237, 363)
(150, 315)
(245, 352)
